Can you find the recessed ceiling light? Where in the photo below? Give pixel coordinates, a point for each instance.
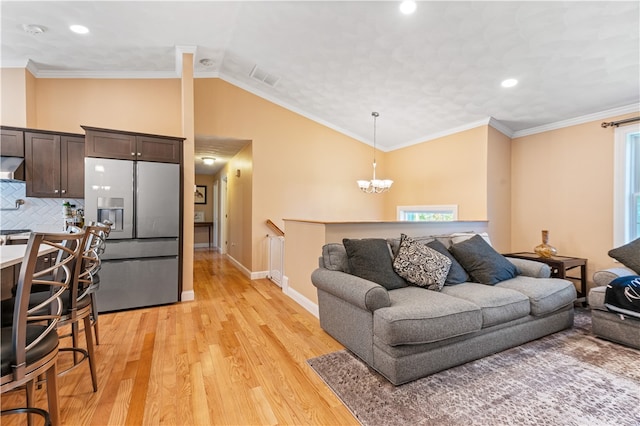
(32, 29)
(208, 160)
(510, 82)
(408, 7)
(207, 62)
(79, 29)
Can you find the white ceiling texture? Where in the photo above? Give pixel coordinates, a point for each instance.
(428, 74)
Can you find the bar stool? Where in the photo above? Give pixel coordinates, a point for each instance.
(97, 243)
(30, 344)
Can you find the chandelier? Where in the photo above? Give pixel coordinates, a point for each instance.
(374, 186)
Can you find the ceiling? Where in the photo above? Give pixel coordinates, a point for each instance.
(427, 74)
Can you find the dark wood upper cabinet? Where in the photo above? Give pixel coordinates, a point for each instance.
(158, 149)
(110, 145)
(54, 165)
(11, 142)
(104, 143)
(72, 166)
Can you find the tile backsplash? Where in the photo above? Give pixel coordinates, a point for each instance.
(38, 214)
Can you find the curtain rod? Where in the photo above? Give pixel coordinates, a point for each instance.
(617, 123)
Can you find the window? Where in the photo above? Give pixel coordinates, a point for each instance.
(626, 193)
(445, 213)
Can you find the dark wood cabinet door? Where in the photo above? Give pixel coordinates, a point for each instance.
(158, 149)
(110, 145)
(42, 164)
(72, 167)
(12, 143)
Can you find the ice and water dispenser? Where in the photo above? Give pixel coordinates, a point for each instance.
(111, 210)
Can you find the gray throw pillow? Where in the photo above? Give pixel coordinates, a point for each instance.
(421, 265)
(482, 262)
(628, 255)
(370, 259)
(457, 274)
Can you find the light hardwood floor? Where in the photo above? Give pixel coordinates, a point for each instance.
(234, 356)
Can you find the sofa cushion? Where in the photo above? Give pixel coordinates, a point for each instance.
(605, 276)
(420, 265)
(545, 295)
(370, 259)
(334, 257)
(482, 262)
(456, 274)
(499, 305)
(596, 298)
(419, 316)
(458, 237)
(628, 255)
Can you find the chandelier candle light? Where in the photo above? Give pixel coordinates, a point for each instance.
(374, 186)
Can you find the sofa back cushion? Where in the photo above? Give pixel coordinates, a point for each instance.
(370, 258)
(334, 258)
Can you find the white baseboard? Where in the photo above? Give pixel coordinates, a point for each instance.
(296, 296)
(240, 266)
(201, 245)
(299, 298)
(260, 274)
(187, 296)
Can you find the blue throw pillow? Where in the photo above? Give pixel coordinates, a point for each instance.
(457, 274)
(482, 262)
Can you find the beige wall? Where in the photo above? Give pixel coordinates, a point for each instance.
(301, 169)
(447, 170)
(240, 242)
(13, 84)
(562, 180)
(147, 106)
(559, 180)
(498, 197)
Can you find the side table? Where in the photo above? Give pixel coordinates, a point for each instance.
(560, 265)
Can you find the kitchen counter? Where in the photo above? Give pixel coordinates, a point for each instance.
(13, 254)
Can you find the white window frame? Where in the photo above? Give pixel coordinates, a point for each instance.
(623, 199)
(401, 211)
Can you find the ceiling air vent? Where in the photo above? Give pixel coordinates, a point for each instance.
(263, 76)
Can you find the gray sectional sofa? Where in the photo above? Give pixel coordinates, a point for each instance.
(409, 332)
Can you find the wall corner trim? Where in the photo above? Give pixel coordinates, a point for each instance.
(188, 296)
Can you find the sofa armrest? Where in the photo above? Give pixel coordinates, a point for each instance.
(605, 276)
(531, 268)
(354, 290)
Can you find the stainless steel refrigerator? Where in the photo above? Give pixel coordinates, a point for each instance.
(141, 265)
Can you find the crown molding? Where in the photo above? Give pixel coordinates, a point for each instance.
(432, 136)
(499, 126)
(578, 120)
(491, 121)
(105, 74)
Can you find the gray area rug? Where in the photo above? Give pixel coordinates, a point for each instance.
(569, 378)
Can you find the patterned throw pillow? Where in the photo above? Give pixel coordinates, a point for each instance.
(421, 265)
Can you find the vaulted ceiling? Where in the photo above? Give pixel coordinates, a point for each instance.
(429, 73)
